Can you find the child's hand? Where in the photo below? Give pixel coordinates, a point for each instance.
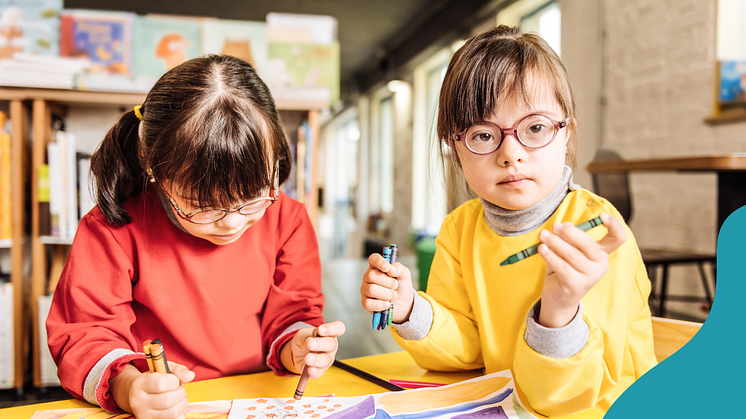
(575, 263)
(316, 352)
(384, 282)
(152, 394)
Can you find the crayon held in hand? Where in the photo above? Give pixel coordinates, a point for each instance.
(523, 254)
(148, 355)
(301, 388)
(382, 318)
(158, 356)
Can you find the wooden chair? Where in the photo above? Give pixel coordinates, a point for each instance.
(615, 188)
(670, 335)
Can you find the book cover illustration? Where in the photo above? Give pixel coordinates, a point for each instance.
(29, 26)
(732, 82)
(105, 38)
(303, 58)
(161, 44)
(242, 39)
(304, 72)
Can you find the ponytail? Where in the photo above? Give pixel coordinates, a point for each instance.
(117, 170)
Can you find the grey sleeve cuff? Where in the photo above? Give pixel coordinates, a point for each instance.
(558, 343)
(420, 320)
(93, 379)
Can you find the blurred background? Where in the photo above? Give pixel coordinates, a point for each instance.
(659, 89)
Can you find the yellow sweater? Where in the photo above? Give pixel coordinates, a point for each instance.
(480, 310)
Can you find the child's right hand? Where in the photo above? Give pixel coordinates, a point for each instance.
(384, 282)
(151, 394)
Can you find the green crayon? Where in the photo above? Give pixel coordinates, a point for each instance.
(523, 254)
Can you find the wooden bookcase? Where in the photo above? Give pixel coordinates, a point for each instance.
(19, 117)
(43, 103)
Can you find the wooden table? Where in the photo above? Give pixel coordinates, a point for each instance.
(669, 336)
(396, 365)
(730, 170)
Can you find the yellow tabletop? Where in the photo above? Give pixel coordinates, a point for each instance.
(396, 365)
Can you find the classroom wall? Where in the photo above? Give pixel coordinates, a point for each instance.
(658, 85)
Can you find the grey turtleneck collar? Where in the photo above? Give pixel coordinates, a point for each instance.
(507, 222)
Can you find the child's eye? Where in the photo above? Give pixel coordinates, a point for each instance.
(483, 137)
(536, 128)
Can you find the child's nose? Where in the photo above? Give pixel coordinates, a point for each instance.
(510, 152)
(232, 219)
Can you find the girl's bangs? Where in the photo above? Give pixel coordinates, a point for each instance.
(231, 161)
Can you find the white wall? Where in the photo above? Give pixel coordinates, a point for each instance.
(657, 87)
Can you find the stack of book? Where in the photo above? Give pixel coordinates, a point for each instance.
(296, 55)
(41, 71)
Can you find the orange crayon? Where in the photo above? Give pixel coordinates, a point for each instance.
(148, 356)
(159, 357)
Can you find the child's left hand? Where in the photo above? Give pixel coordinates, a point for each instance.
(316, 352)
(575, 263)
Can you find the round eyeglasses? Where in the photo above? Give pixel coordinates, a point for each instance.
(532, 132)
(207, 216)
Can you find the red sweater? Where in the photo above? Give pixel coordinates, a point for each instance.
(219, 310)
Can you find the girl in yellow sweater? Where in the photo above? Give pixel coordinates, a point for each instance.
(573, 322)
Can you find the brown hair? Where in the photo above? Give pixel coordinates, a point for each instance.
(499, 64)
(209, 127)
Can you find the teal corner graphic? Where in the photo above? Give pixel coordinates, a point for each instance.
(706, 377)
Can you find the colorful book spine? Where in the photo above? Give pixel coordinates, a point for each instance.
(5, 188)
(55, 189)
(45, 228)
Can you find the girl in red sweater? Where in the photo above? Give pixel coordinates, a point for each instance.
(193, 243)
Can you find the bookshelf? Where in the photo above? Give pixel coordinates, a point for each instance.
(37, 105)
(19, 116)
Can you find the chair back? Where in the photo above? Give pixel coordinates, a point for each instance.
(669, 335)
(613, 186)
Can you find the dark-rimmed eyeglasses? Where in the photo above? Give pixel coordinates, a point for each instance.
(532, 132)
(207, 216)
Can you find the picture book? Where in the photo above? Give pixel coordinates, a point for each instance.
(304, 72)
(161, 43)
(239, 38)
(303, 58)
(29, 26)
(732, 87)
(104, 38)
(490, 396)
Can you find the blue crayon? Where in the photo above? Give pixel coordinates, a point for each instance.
(394, 249)
(376, 319)
(379, 317)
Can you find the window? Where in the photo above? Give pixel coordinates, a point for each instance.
(731, 35)
(535, 16)
(428, 186)
(385, 164)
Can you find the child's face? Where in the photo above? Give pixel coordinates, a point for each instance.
(514, 177)
(221, 232)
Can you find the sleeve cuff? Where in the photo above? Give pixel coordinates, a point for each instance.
(96, 386)
(273, 356)
(559, 343)
(420, 320)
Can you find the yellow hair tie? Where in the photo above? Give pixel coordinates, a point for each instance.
(137, 112)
